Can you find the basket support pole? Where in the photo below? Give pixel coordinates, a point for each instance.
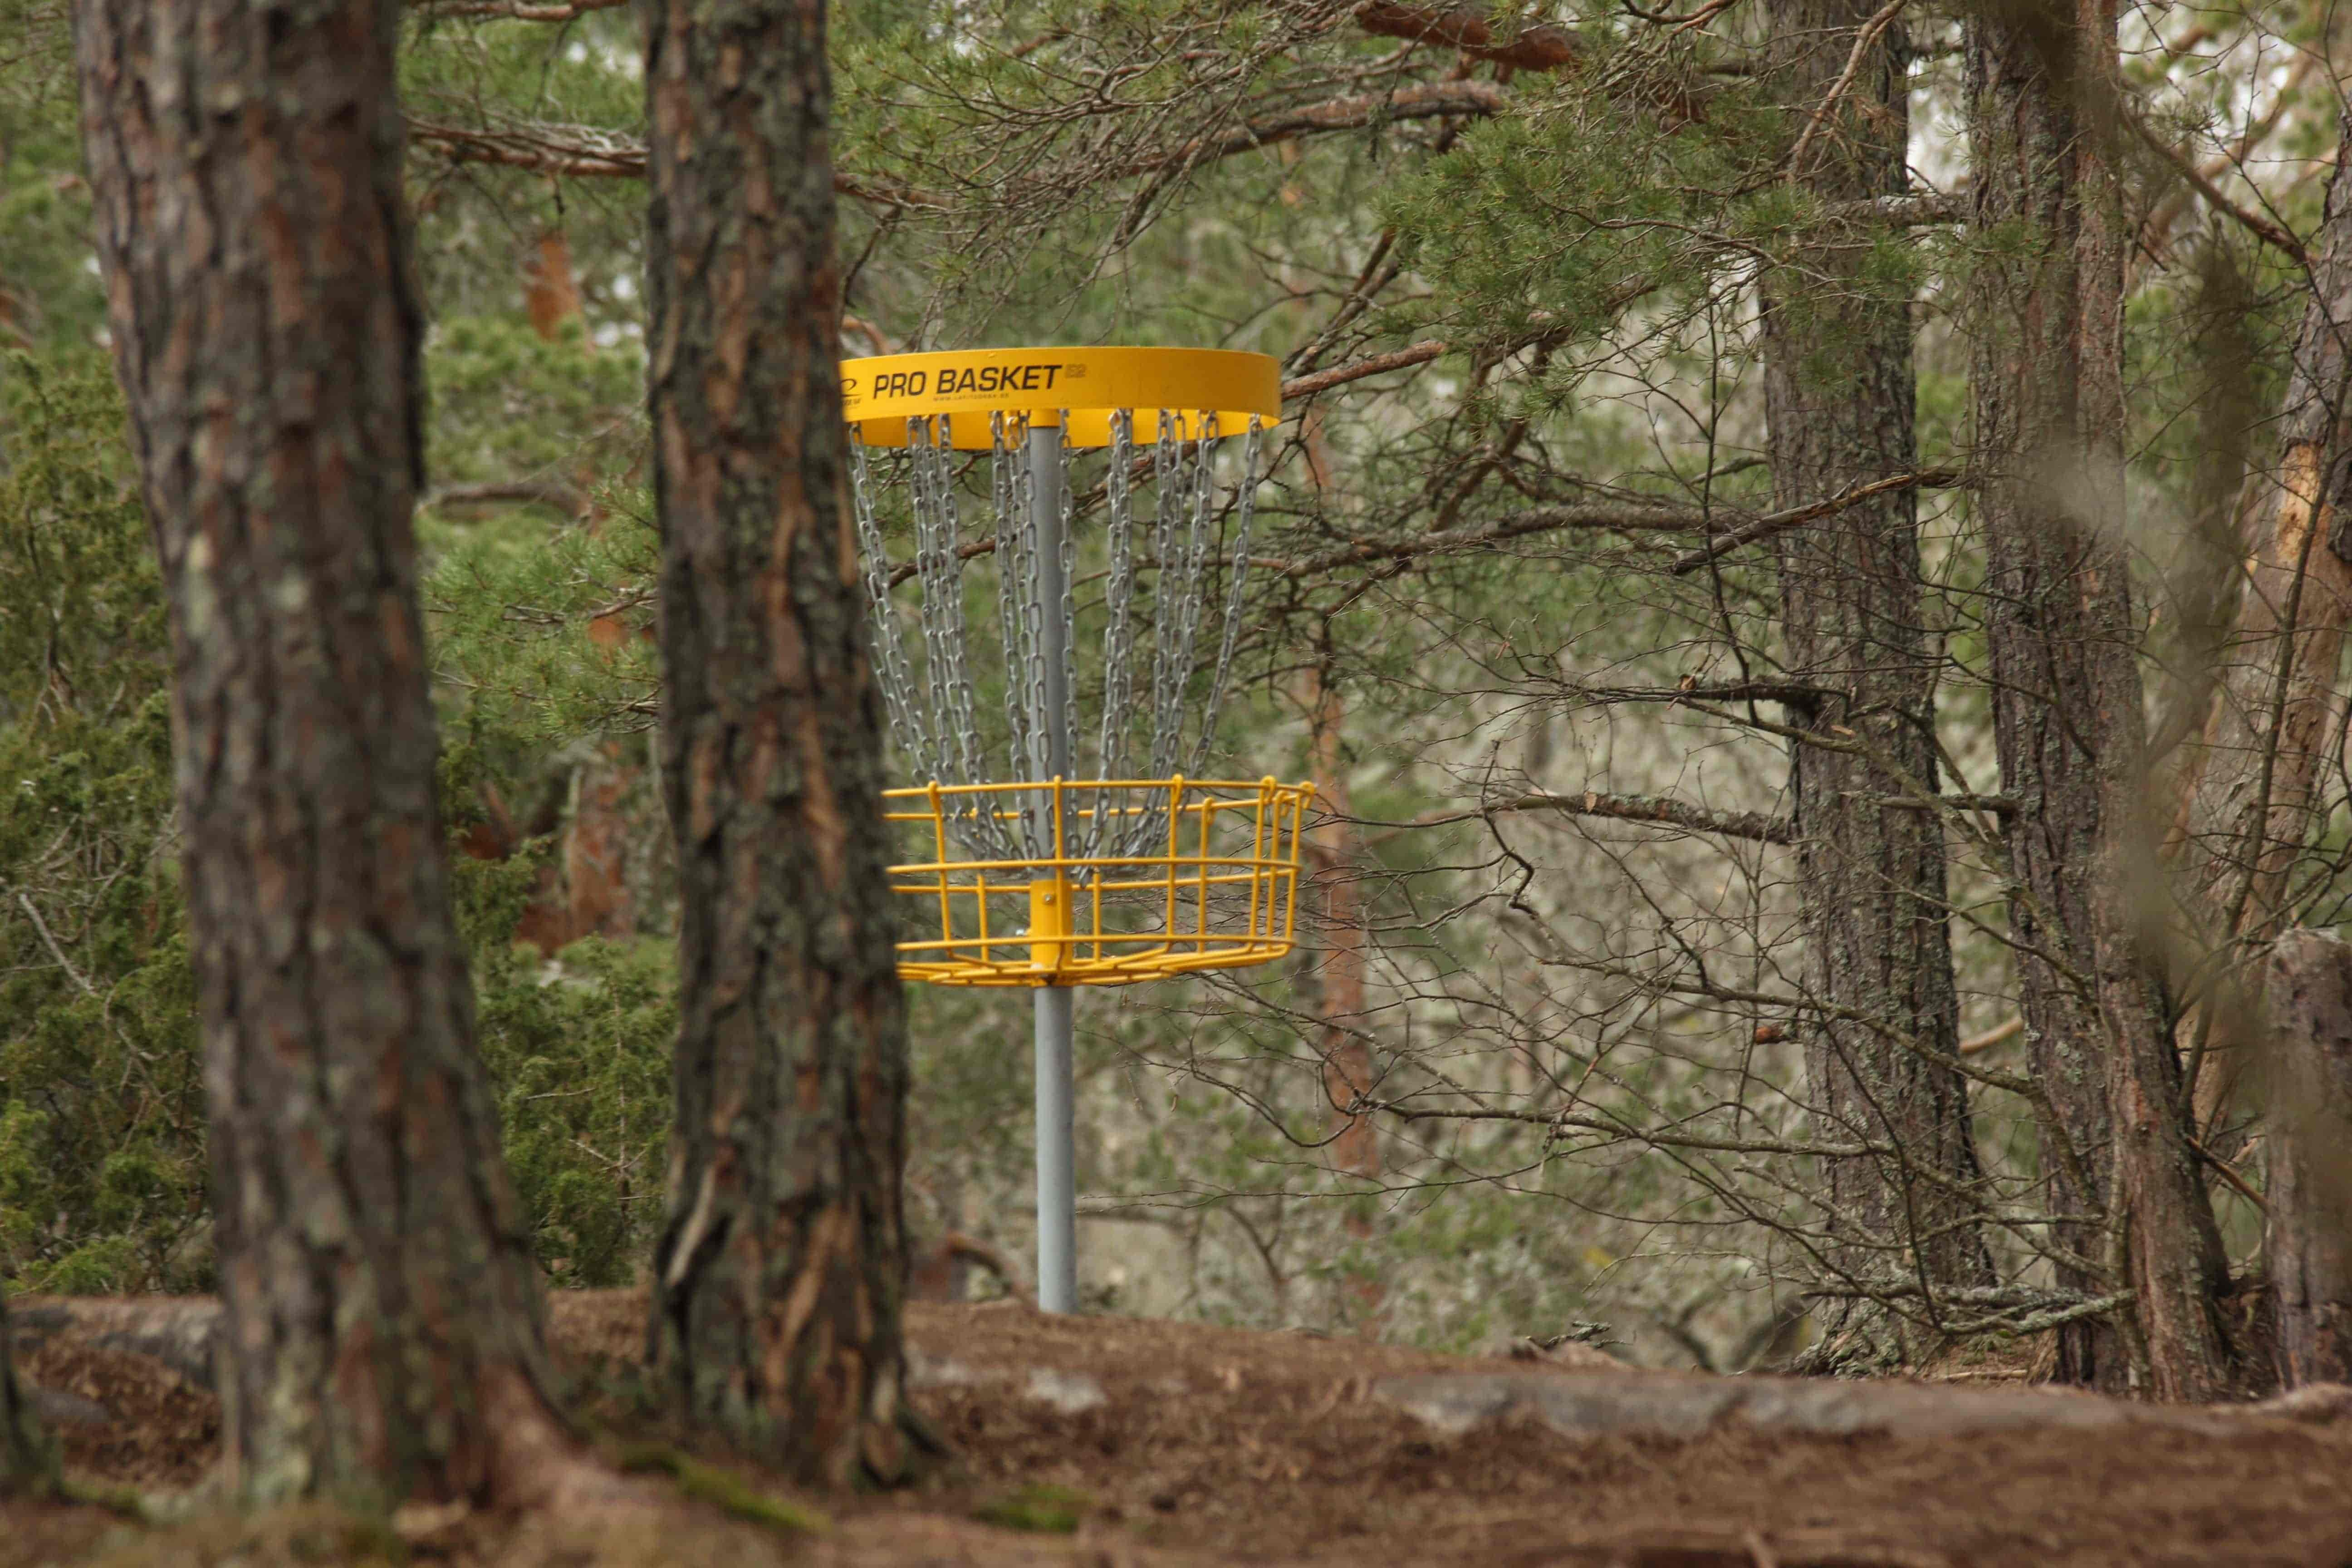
(1057, 1242)
(1058, 1224)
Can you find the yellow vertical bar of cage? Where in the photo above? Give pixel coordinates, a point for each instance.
(1175, 843)
(1207, 809)
(940, 862)
(1095, 892)
(1298, 843)
(1258, 881)
(986, 953)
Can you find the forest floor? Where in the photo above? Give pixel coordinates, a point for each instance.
(1108, 1442)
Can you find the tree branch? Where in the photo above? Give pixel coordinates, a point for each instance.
(1660, 810)
(1541, 47)
(1621, 517)
(1865, 36)
(1654, 810)
(563, 497)
(1779, 522)
(575, 152)
(1429, 100)
(579, 151)
(56, 952)
(517, 11)
(2254, 223)
(584, 152)
(1339, 375)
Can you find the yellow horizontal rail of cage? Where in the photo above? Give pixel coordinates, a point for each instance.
(1216, 887)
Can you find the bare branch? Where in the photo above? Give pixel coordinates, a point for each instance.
(1993, 1036)
(1377, 364)
(1660, 811)
(515, 10)
(2254, 223)
(56, 952)
(575, 152)
(563, 497)
(1430, 101)
(1777, 522)
(1862, 39)
(584, 152)
(1621, 517)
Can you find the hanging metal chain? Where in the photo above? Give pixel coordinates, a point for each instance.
(1182, 583)
(1236, 573)
(1118, 623)
(1035, 813)
(1166, 617)
(1022, 614)
(939, 565)
(890, 667)
(1008, 482)
(1202, 502)
(923, 476)
(933, 710)
(1068, 607)
(1065, 722)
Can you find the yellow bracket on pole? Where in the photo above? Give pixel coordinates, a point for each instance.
(1049, 923)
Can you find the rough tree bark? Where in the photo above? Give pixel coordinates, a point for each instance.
(780, 1269)
(383, 1324)
(2245, 811)
(2047, 323)
(2308, 1066)
(26, 1461)
(1839, 410)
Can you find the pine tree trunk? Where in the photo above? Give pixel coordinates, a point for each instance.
(780, 1273)
(2308, 1239)
(1839, 406)
(2246, 813)
(2046, 318)
(382, 1321)
(27, 1464)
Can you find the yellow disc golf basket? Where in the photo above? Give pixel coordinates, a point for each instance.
(1038, 851)
(1215, 887)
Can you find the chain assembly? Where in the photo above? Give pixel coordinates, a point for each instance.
(931, 691)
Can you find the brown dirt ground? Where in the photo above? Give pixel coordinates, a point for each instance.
(1226, 1446)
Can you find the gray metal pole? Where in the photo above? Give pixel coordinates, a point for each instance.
(1057, 1212)
(1057, 1219)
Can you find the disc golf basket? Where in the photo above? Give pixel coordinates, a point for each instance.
(1068, 852)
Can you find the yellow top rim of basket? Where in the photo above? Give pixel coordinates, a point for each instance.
(880, 395)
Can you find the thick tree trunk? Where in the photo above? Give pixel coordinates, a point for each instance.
(1839, 406)
(383, 1326)
(780, 1273)
(2047, 321)
(2246, 810)
(26, 1461)
(2308, 992)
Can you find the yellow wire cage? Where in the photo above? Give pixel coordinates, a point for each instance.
(1217, 888)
